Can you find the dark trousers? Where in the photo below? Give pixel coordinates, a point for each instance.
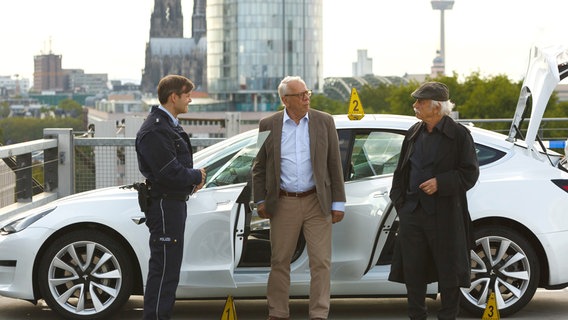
(417, 236)
(166, 222)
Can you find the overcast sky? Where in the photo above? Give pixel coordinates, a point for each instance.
(401, 36)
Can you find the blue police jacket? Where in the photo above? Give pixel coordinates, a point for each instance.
(165, 157)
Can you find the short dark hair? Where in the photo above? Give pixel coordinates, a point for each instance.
(173, 84)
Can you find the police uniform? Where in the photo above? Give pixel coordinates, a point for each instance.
(165, 158)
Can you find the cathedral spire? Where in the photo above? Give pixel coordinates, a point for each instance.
(198, 20)
(167, 19)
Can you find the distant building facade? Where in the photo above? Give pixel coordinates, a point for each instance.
(49, 76)
(168, 52)
(48, 73)
(253, 44)
(11, 86)
(363, 66)
(79, 81)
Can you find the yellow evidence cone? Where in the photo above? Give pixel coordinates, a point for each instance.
(491, 310)
(229, 312)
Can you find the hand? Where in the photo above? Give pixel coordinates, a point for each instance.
(261, 210)
(203, 178)
(429, 186)
(336, 216)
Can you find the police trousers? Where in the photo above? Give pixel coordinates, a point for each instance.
(165, 220)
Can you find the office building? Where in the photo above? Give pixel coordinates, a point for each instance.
(253, 44)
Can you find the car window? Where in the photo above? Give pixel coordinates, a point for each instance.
(486, 154)
(374, 153)
(234, 167)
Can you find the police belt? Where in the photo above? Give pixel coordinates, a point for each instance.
(172, 196)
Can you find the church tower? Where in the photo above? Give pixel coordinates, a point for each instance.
(168, 52)
(167, 19)
(198, 20)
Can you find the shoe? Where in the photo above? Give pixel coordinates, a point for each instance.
(276, 318)
(318, 319)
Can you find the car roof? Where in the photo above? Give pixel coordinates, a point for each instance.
(371, 121)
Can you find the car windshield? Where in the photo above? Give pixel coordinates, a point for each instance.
(234, 163)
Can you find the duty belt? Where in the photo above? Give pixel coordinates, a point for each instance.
(179, 197)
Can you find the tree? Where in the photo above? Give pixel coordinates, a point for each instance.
(16, 130)
(71, 107)
(493, 97)
(323, 103)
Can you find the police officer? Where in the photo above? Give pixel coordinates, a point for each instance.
(165, 159)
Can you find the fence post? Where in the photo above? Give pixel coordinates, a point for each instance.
(66, 159)
(24, 177)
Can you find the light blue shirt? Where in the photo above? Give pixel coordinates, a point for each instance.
(296, 172)
(175, 120)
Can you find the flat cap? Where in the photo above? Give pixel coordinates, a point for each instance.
(432, 91)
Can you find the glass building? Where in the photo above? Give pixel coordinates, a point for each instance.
(253, 44)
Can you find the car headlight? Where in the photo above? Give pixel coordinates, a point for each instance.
(20, 224)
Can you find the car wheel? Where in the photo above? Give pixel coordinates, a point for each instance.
(505, 263)
(85, 274)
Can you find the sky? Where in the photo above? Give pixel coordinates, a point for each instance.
(492, 37)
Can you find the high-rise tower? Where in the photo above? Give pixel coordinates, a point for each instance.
(442, 5)
(253, 45)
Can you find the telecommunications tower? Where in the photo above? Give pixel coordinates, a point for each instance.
(442, 5)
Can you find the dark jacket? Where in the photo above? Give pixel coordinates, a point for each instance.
(165, 157)
(456, 170)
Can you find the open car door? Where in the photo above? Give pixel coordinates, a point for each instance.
(216, 218)
(372, 160)
(547, 67)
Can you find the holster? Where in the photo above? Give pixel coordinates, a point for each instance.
(144, 198)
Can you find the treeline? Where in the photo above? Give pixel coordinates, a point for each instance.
(475, 98)
(68, 114)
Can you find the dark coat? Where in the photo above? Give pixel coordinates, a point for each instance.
(165, 157)
(456, 170)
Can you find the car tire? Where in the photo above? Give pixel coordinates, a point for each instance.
(506, 263)
(85, 274)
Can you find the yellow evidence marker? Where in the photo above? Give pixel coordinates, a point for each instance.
(229, 312)
(491, 310)
(355, 106)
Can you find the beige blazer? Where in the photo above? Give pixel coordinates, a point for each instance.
(324, 153)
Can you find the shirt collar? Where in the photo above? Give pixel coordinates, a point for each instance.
(174, 120)
(287, 117)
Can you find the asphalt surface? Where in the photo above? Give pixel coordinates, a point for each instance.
(546, 305)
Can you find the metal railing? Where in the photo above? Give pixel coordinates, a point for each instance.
(37, 172)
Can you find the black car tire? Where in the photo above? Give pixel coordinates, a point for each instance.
(505, 262)
(85, 274)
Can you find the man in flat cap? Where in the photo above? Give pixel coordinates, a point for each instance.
(437, 165)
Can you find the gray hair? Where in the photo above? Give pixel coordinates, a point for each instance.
(446, 107)
(283, 86)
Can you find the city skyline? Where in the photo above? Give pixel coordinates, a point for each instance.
(490, 37)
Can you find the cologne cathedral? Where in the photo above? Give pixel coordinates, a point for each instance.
(168, 52)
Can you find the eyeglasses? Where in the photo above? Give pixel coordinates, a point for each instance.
(301, 95)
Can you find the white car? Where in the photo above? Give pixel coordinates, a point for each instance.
(86, 254)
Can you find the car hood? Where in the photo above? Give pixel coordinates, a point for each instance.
(547, 67)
